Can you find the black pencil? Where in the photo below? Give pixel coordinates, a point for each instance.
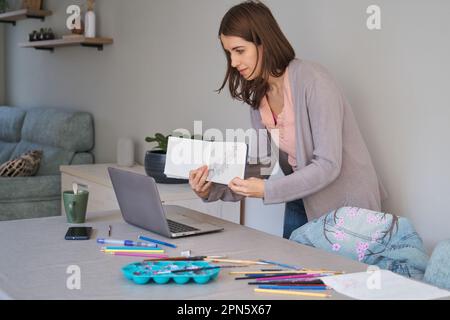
(261, 276)
(196, 258)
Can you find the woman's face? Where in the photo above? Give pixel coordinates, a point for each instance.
(244, 56)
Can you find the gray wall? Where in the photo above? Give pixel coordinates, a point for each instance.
(166, 61)
(2, 64)
(157, 76)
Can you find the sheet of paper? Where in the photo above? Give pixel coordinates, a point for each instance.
(184, 155)
(225, 160)
(383, 285)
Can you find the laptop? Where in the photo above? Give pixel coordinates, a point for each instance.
(141, 206)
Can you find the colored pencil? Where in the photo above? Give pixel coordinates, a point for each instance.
(176, 259)
(293, 292)
(268, 275)
(135, 251)
(302, 276)
(274, 287)
(282, 272)
(271, 277)
(130, 248)
(284, 282)
(195, 258)
(270, 270)
(157, 241)
(143, 255)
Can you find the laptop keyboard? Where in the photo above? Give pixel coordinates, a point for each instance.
(176, 227)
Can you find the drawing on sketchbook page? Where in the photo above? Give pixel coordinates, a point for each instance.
(225, 160)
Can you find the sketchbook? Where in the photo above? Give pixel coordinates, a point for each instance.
(225, 160)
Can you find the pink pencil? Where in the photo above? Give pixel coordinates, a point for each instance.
(143, 255)
(297, 276)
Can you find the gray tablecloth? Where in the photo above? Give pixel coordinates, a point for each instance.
(34, 260)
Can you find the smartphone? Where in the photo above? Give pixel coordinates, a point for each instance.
(78, 233)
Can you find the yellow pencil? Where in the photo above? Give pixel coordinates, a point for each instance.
(292, 292)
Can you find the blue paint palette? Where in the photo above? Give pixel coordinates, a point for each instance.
(160, 272)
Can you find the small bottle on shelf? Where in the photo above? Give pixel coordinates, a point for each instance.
(89, 21)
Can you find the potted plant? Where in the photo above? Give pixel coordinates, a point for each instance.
(155, 160)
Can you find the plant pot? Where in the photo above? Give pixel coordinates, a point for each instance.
(154, 167)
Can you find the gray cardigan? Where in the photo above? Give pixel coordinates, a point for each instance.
(334, 168)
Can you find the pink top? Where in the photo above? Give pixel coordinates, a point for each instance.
(284, 137)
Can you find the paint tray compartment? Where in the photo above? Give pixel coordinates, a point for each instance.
(159, 272)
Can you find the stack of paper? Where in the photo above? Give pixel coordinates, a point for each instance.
(225, 160)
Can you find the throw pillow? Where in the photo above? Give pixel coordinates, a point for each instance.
(24, 166)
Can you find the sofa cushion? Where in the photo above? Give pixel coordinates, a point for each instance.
(24, 209)
(30, 188)
(11, 120)
(6, 150)
(82, 158)
(26, 165)
(29, 209)
(60, 128)
(52, 158)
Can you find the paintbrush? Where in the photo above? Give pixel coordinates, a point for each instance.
(235, 261)
(198, 269)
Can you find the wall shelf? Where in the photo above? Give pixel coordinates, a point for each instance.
(14, 16)
(50, 45)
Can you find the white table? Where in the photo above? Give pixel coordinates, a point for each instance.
(34, 258)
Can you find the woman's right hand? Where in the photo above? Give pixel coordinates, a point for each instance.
(197, 180)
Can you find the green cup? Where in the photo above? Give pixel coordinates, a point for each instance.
(76, 205)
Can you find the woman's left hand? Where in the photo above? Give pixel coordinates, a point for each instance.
(253, 187)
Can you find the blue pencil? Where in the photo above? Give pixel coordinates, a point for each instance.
(293, 287)
(157, 241)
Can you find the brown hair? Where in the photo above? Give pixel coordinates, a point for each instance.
(253, 21)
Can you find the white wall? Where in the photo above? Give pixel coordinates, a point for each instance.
(166, 61)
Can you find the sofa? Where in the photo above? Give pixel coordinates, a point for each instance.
(66, 137)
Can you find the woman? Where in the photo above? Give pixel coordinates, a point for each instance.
(322, 153)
